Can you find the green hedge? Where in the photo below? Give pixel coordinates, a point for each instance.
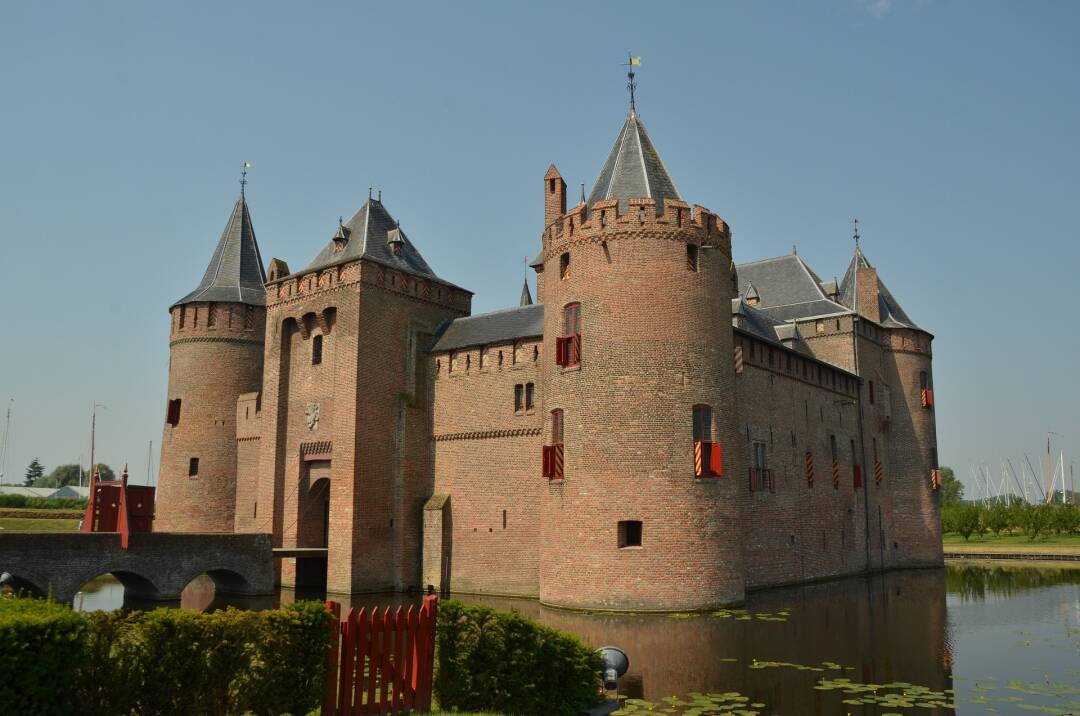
(43, 503)
(41, 645)
(168, 661)
(498, 661)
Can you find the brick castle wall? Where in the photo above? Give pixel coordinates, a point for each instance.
(215, 355)
(657, 339)
(487, 457)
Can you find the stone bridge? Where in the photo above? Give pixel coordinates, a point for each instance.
(156, 565)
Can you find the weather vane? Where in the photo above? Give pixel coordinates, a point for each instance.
(856, 222)
(243, 175)
(631, 85)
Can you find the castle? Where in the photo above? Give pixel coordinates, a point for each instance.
(661, 430)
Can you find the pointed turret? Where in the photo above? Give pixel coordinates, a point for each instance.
(235, 273)
(634, 169)
(864, 292)
(526, 297)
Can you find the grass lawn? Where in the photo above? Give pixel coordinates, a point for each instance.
(24, 524)
(1014, 542)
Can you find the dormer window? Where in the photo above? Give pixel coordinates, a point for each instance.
(396, 240)
(341, 238)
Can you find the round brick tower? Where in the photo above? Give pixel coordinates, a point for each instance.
(638, 369)
(215, 355)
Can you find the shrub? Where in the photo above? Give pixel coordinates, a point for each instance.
(166, 661)
(43, 503)
(41, 645)
(498, 661)
(227, 662)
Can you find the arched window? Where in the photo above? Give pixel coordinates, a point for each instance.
(702, 423)
(568, 346)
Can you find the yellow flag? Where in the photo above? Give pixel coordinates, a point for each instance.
(635, 60)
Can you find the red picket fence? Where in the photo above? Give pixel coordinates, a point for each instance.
(381, 661)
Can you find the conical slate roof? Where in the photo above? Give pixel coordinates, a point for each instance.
(526, 296)
(892, 314)
(236, 272)
(370, 233)
(633, 169)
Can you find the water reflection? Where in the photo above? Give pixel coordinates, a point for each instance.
(974, 581)
(1003, 637)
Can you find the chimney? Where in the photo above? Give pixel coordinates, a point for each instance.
(554, 196)
(866, 287)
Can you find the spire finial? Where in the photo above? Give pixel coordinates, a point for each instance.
(243, 176)
(582, 193)
(631, 85)
(369, 193)
(856, 223)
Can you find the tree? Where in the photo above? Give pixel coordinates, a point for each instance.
(952, 490)
(60, 476)
(996, 518)
(71, 474)
(967, 520)
(34, 472)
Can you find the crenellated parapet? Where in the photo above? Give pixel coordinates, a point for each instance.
(210, 321)
(303, 287)
(604, 222)
(909, 340)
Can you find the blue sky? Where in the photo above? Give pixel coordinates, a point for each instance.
(950, 129)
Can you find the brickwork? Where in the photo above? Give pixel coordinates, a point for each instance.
(328, 422)
(656, 340)
(487, 455)
(215, 355)
(791, 416)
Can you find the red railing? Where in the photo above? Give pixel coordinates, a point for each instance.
(380, 662)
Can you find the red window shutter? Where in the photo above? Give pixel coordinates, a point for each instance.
(926, 397)
(935, 479)
(716, 459)
(548, 472)
(699, 451)
(772, 481)
(560, 349)
(557, 461)
(810, 469)
(575, 354)
(858, 477)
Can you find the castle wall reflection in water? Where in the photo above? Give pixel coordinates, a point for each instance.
(910, 626)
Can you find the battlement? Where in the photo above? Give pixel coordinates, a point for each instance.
(220, 320)
(604, 222)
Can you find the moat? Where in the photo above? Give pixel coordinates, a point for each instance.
(966, 639)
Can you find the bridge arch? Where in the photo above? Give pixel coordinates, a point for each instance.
(21, 583)
(136, 586)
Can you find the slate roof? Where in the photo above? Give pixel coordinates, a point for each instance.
(526, 296)
(495, 327)
(787, 288)
(633, 169)
(369, 232)
(236, 271)
(892, 315)
(754, 321)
